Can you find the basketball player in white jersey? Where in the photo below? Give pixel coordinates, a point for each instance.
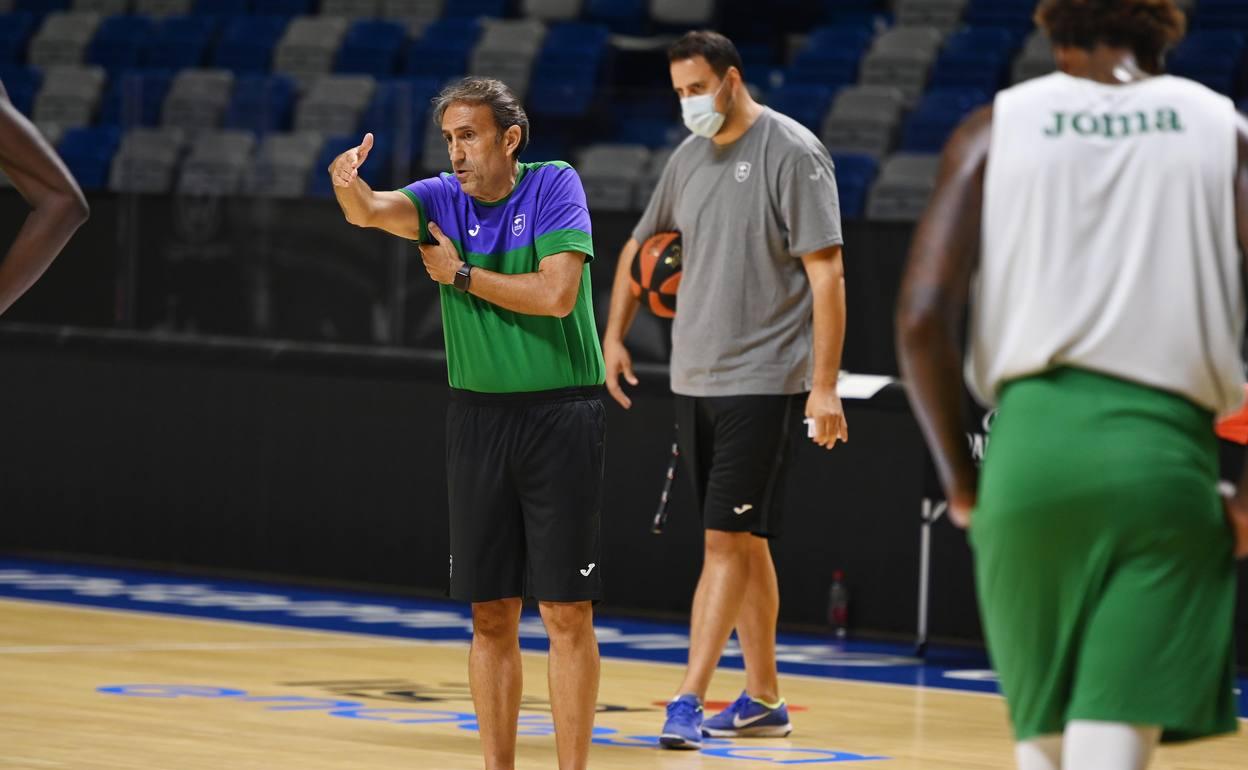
(1101, 210)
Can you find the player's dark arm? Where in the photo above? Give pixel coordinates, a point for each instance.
(388, 210)
(552, 290)
(58, 206)
(933, 299)
(1238, 507)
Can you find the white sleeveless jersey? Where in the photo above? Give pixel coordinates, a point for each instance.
(1108, 238)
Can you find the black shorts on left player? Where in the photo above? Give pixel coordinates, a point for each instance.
(524, 482)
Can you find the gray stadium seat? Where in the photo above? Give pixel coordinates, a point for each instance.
(433, 156)
(506, 51)
(941, 14)
(650, 177)
(309, 45)
(162, 7)
(196, 99)
(217, 163)
(553, 10)
(351, 9)
(417, 13)
(147, 160)
(282, 165)
(864, 119)
(902, 58)
(611, 173)
(333, 104)
(1036, 58)
(901, 191)
(691, 13)
(69, 95)
(102, 7)
(63, 39)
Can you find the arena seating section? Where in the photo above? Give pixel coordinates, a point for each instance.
(227, 97)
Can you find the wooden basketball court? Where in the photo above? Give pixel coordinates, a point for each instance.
(93, 689)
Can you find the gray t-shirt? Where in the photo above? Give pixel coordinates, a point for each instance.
(746, 213)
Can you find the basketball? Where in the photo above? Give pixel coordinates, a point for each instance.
(656, 274)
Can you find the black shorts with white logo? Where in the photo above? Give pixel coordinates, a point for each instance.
(735, 449)
(524, 481)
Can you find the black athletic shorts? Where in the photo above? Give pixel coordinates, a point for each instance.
(735, 449)
(524, 481)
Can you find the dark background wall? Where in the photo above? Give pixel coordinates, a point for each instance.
(127, 438)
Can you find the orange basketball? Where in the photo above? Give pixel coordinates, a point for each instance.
(656, 274)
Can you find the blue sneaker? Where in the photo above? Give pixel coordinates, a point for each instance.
(683, 728)
(749, 718)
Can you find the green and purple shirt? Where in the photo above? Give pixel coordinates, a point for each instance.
(490, 349)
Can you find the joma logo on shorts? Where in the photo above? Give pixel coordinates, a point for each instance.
(1110, 126)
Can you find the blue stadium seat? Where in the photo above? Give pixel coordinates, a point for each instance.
(867, 12)
(565, 75)
(226, 8)
(135, 98)
(401, 103)
(120, 41)
(626, 17)
(284, 7)
(831, 56)
(805, 103)
(88, 152)
(546, 147)
(977, 58)
(41, 7)
(248, 42)
(181, 42)
(21, 83)
(16, 29)
(854, 175)
(376, 172)
(443, 50)
(472, 9)
(1212, 57)
(371, 47)
(938, 113)
(1012, 14)
(1220, 14)
(261, 103)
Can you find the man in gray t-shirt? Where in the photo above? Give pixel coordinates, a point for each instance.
(760, 323)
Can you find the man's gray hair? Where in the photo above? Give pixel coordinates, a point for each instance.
(493, 93)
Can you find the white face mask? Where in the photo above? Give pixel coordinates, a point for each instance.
(699, 113)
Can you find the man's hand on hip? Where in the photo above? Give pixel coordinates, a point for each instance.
(618, 362)
(441, 260)
(826, 417)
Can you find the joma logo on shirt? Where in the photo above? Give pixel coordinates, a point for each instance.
(1111, 126)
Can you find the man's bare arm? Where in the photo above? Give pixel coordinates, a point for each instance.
(388, 210)
(933, 300)
(59, 207)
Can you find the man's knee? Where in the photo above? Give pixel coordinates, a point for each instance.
(568, 620)
(496, 620)
(728, 546)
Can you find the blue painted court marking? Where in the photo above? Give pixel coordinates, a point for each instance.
(435, 620)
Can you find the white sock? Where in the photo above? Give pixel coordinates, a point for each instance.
(1108, 745)
(1042, 753)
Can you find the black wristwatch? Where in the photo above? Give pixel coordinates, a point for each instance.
(463, 277)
